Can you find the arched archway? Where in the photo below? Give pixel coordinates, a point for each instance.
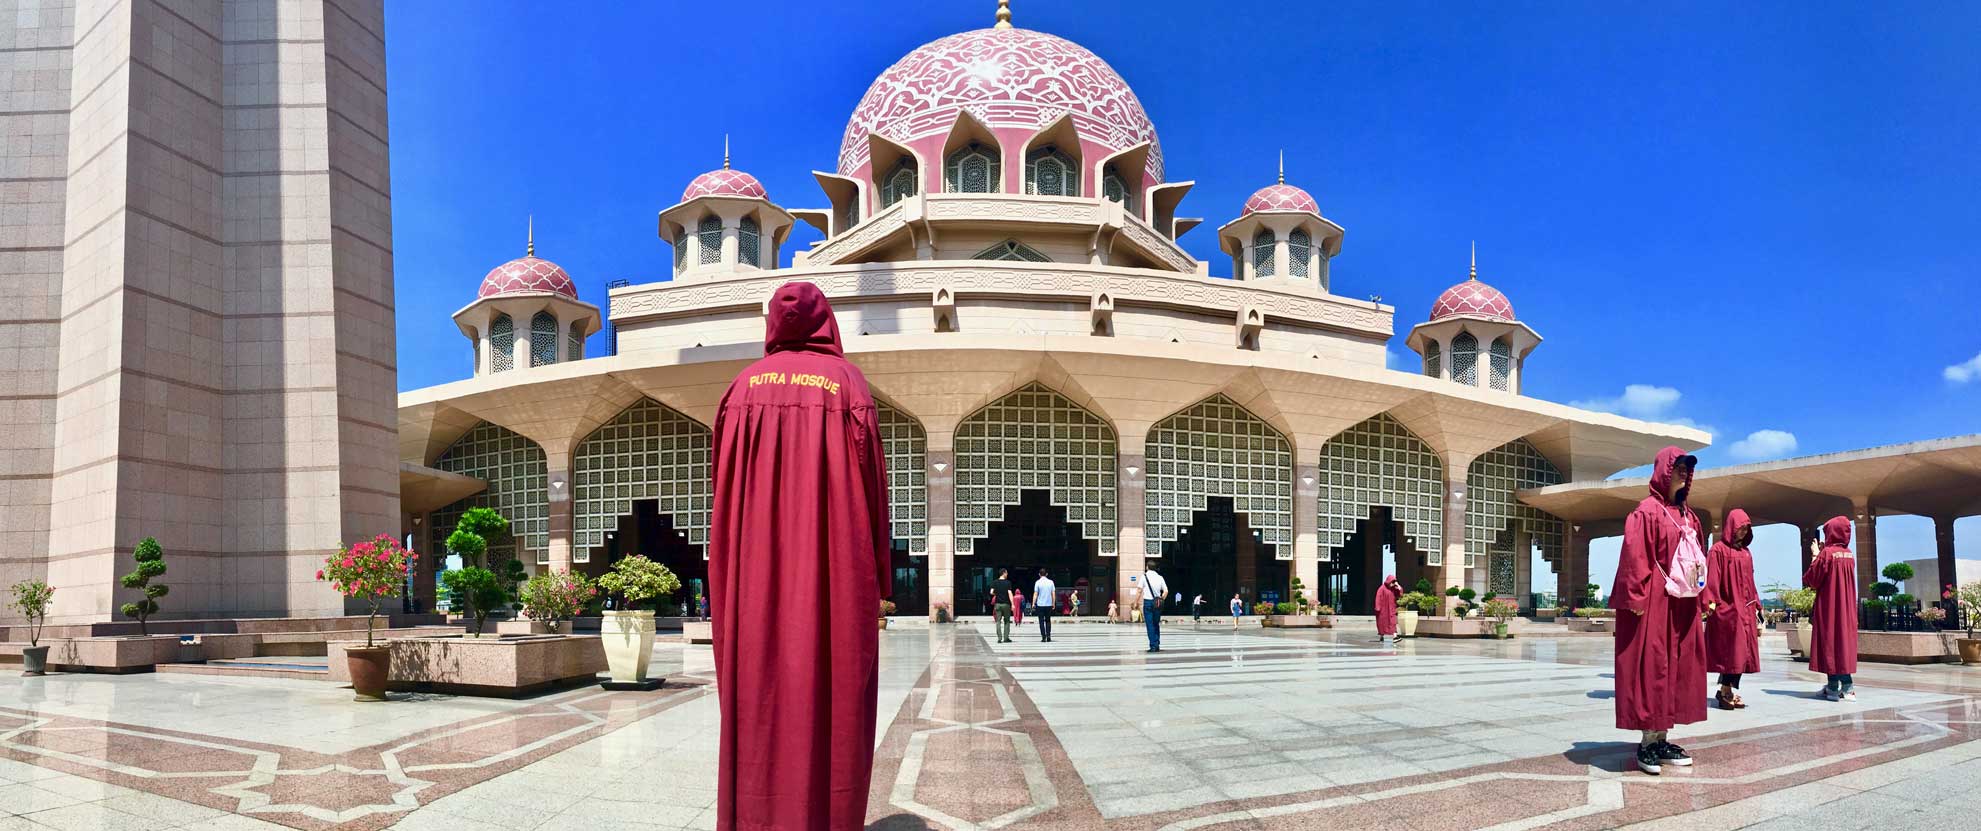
(1380, 485)
(1503, 532)
(649, 458)
(1223, 474)
(905, 445)
(518, 479)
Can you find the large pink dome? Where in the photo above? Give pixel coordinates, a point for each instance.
(1472, 299)
(1005, 78)
(1281, 197)
(725, 182)
(527, 274)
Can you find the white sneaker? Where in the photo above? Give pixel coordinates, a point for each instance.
(1850, 696)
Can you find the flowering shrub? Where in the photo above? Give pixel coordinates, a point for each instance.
(372, 571)
(1262, 608)
(31, 598)
(635, 578)
(1501, 609)
(887, 608)
(558, 596)
(1970, 599)
(1932, 614)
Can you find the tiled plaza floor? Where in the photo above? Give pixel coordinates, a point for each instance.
(1253, 729)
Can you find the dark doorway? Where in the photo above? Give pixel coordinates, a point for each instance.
(1352, 573)
(649, 533)
(1217, 556)
(911, 585)
(1034, 535)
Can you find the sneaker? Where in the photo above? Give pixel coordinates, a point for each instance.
(1850, 696)
(1831, 695)
(1672, 754)
(1648, 761)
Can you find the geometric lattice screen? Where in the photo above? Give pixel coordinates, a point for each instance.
(649, 451)
(518, 489)
(1217, 448)
(1492, 508)
(1380, 462)
(906, 448)
(1034, 439)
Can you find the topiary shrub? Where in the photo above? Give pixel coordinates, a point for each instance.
(1898, 572)
(1467, 595)
(1423, 586)
(151, 563)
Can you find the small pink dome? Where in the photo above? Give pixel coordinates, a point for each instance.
(725, 182)
(527, 274)
(1472, 299)
(1281, 197)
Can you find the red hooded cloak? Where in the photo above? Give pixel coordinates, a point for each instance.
(798, 564)
(1731, 630)
(1833, 620)
(1660, 653)
(1386, 595)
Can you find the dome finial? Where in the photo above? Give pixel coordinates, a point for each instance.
(725, 151)
(531, 233)
(1475, 261)
(1003, 14)
(1282, 166)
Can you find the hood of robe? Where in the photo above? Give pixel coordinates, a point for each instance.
(1662, 470)
(800, 320)
(1736, 522)
(1836, 534)
(1390, 580)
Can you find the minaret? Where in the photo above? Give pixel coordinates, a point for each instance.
(1282, 167)
(531, 249)
(1475, 260)
(725, 151)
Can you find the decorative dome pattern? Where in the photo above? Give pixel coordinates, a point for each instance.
(725, 182)
(1472, 299)
(1004, 78)
(1281, 197)
(527, 274)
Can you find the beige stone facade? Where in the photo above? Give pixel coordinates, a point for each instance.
(201, 343)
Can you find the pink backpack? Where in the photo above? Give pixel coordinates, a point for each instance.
(1687, 577)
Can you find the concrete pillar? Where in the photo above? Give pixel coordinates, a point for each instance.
(1131, 489)
(1306, 530)
(942, 529)
(1523, 567)
(1809, 534)
(1572, 575)
(563, 510)
(1282, 262)
(519, 348)
(693, 258)
(729, 243)
(1943, 541)
(425, 593)
(1455, 496)
(1865, 516)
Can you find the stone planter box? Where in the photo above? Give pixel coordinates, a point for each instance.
(1602, 625)
(500, 667)
(1797, 635)
(108, 655)
(1544, 615)
(1907, 647)
(698, 631)
(1299, 621)
(527, 626)
(1451, 627)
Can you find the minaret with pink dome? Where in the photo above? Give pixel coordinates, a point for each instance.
(1281, 237)
(1473, 337)
(526, 314)
(725, 223)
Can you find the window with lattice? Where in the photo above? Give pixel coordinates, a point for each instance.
(973, 169)
(1500, 364)
(749, 241)
(1379, 462)
(1433, 359)
(1262, 254)
(1465, 359)
(1012, 250)
(1217, 448)
(543, 339)
(1035, 439)
(648, 451)
(1299, 246)
(906, 447)
(501, 344)
(680, 251)
(576, 347)
(1049, 172)
(708, 234)
(518, 477)
(1115, 188)
(1493, 510)
(900, 184)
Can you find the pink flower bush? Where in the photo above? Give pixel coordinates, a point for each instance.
(373, 570)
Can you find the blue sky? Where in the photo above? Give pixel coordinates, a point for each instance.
(1748, 217)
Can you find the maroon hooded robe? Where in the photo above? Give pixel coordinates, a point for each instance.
(1660, 651)
(1833, 620)
(1386, 595)
(798, 564)
(1731, 629)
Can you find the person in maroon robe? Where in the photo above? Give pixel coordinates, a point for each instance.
(1833, 620)
(799, 560)
(1660, 652)
(1732, 629)
(1386, 595)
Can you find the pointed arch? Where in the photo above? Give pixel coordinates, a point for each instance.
(1299, 246)
(1493, 510)
(1035, 439)
(1379, 462)
(543, 338)
(1262, 253)
(906, 446)
(749, 242)
(501, 344)
(708, 233)
(1465, 359)
(1218, 448)
(972, 160)
(518, 478)
(1500, 364)
(648, 451)
(1433, 359)
(1012, 249)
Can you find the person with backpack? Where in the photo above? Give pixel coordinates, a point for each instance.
(1659, 592)
(1157, 589)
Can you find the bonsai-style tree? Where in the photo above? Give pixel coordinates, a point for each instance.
(31, 598)
(151, 563)
(556, 596)
(476, 590)
(372, 570)
(635, 578)
(1423, 586)
(1299, 592)
(1596, 600)
(1899, 573)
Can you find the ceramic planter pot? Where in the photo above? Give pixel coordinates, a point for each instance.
(1970, 650)
(34, 661)
(883, 623)
(1406, 623)
(628, 645)
(1499, 630)
(371, 670)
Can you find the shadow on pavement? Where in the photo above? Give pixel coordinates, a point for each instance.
(1616, 757)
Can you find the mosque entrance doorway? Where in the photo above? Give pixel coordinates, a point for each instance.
(1034, 535)
(1220, 554)
(1355, 569)
(651, 534)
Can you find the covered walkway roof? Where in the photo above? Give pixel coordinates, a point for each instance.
(1939, 478)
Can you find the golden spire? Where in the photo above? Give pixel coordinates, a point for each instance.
(725, 151)
(531, 251)
(1475, 260)
(1282, 166)
(1003, 14)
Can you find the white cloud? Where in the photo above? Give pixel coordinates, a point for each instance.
(1398, 360)
(1764, 444)
(1646, 402)
(1962, 373)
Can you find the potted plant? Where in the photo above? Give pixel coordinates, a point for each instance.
(151, 563)
(1970, 600)
(370, 571)
(474, 590)
(1500, 610)
(1799, 601)
(550, 600)
(1409, 607)
(31, 598)
(1326, 614)
(887, 608)
(628, 631)
(1773, 617)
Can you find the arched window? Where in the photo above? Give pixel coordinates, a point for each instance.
(680, 251)
(1433, 359)
(543, 339)
(709, 232)
(900, 184)
(1049, 172)
(1012, 250)
(1262, 254)
(1465, 359)
(749, 241)
(1114, 188)
(1500, 364)
(973, 169)
(575, 351)
(501, 344)
(1299, 245)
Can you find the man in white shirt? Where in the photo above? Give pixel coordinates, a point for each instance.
(1154, 590)
(1045, 600)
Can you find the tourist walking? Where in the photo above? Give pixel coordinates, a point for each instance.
(1158, 589)
(1833, 620)
(1386, 595)
(801, 505)
(1733, 630)
(1113, 612)
(1043, 602)
(1197, 610)
(1660, 650)
(1018, 607)
(1004, 604)
(1237, 610)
